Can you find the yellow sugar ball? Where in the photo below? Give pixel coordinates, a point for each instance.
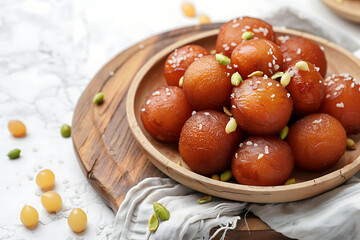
(45, 179)
(29, 216)
(51, 201)
(77, 220)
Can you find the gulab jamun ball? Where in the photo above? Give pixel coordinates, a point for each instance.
(262, 161)
(261, 106)
(342, 101)
(306, 88)
(230, 34)
(257, 55)
(207, 84)
(318, 141)
(299, 48)
(164, 113)
(205, 146)
(179, 60)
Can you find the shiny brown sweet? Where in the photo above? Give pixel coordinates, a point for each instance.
(207, 84)
(299, 48)
(318, 141)
(306, 89)
(164, 113)
(342, 101)
(261, 106)
(231, 32)
(179, 60)
(205, 146)
(257, 55)
(262, 161)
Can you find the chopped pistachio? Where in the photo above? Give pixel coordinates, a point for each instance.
(247, 35)
(350, 144)
(205, 199)
(215, 177)
(277, 75)
(181, 81)
(161, 211)
(290, 181)
(227, 111)
(99, 98)
(236, 79)
(284, 132)
(256, 73)
(302, 65)
(285, 79)
(153, 223)
(226, 175)
(231, 126)
(222, 59)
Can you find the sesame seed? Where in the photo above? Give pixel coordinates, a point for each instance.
(241, 144)
(273, 95)
(288, 95)
(233, 106)
(276, 67)
(352, 85)
(206, 113)
(322, 48)
(232, 95)
(269, 84)
(156, 93)
(200, 126)
(266, 150)
(298, 51)
(327, 95)
(278, 85)
(270, 65)
(317, 68)
(236, 155)
(255, 144)
(291, 73)
(143, 109)
(317, 121)
(168, 93)
(340, 105)
(193, 112)
(235, 65)
(111, 73)
(249, 143)
(148, 101)
(260, 155)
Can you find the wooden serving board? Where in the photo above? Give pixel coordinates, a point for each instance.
(108, 153)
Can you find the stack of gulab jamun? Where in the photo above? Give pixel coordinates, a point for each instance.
(260, 106)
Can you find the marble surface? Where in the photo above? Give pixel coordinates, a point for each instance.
(49, 51)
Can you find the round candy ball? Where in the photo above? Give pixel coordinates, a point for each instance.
(205, 146)
(318, 141)
(261, 106)
(207, 84)
(164, 113)
(262, 161)
(342, 101)
(257, 55)
(230, 34)
(179, 60)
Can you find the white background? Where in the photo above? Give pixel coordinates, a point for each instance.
(49, 51)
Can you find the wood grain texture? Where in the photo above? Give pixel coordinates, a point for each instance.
(348, 9)
(107, 151)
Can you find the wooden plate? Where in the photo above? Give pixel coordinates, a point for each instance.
(166, 156)
(348, 9)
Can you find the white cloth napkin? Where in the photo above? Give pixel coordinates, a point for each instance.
(188, 219)
(333, 215)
